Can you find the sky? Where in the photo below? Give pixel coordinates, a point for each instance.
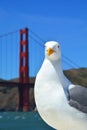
(64, 21)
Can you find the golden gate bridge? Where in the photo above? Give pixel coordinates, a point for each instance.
(9, 59)
(21, 56)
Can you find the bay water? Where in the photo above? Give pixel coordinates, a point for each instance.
(22, 121)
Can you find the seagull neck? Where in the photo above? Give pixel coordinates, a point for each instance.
(58, 65)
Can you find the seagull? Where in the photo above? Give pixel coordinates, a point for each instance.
(60, 103)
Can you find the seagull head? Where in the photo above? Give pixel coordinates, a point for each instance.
(52, 50)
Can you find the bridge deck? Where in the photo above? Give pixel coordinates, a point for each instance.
(15, 84)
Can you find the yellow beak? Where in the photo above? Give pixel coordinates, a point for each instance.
(50, 51)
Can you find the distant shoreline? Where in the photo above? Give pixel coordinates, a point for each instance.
(9, 96)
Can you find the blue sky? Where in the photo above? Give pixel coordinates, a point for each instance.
(62, 20)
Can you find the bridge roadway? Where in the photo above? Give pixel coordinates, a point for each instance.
(23, 92)
(15, 84)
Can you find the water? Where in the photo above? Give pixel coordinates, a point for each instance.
(22, 121)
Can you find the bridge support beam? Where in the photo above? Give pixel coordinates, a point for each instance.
(23, 104)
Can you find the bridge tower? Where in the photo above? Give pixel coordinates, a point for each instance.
(23, 104)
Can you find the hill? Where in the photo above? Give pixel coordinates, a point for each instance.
(9, 96)
(77, 76)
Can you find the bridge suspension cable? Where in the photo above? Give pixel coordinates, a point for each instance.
(8, 48)
(36, 38)
(9, 53)
(36, 51)
(36, 41)
(43, 41)
(9, 33)
(69, 62)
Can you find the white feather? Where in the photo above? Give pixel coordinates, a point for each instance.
(50, 98)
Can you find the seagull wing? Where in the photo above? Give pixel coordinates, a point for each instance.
(78, 98)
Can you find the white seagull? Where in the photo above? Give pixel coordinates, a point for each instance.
(61, 104)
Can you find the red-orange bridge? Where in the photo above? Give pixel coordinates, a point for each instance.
(21, 55)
